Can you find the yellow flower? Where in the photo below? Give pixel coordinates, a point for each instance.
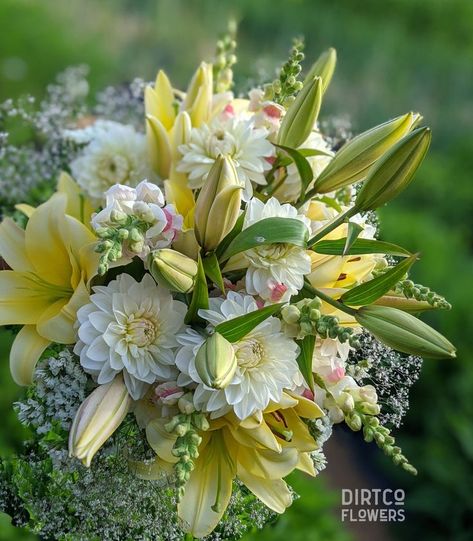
(260, 451)
(52, 262)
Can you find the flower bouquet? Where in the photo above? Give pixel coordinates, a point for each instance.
(197, 294)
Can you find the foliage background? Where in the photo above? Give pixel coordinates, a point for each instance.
(394, 56)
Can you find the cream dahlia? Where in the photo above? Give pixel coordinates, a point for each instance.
(275, 272)
(230, 136)
(130, 327)
(266, 362)
(113, 154)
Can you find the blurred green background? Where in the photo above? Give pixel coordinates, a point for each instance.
(394, 56)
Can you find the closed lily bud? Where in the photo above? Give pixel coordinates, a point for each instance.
(300, 118)
(101, 413)
(324, 68)
(394, 171)
(173, 270)
(218, 205)
(215, 362)
(404, 332)
(353, 161)
(159, 147)
(198, 100)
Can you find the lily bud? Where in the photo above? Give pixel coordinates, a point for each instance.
(180, 135)
(215, 362)
(300, 118)
(159, 101)
(198, 101)
(394, 172)
(218, 204)
(404, 332)
(354, 159)
(324, 68)
(159, 148)
(101, 413)
(173, 270)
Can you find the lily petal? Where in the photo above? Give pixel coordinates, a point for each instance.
(272, 492)
(25, 352)
(78, 204)
(160, 440)
(12, 246)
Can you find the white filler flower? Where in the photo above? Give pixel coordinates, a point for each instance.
(130, 327)
(275, 272)
(114, 154)
(238, 138)
(266, 362)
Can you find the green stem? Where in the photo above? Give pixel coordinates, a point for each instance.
(330, 300)
(332, 225)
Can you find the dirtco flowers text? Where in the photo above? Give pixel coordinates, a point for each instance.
(372, 505)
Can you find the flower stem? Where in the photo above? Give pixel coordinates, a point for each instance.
(332, 225)
(330, 300)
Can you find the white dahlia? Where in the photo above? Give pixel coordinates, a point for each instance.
(113, 154)
(275, 272)
(130, 327)
(229, 136)
(266, 362)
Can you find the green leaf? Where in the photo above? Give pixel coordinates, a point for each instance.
(303, 166)
(233, 233)
(371, 291)
(354, 231)
(268, 231)
(359, 247)
(235, 329)
(212, 270)
(200, 294)
(304, 360)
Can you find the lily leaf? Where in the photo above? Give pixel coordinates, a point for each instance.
(359, 247)
(354, 231)
(268, 231)
(212, 270)
(303, 166)
(304, 360)
(235, 329)
(200, 294)
(233, 233)
(371, 291)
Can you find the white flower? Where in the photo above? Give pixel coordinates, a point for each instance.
(275, 272)
(146, 201)
(329, 358)
(290, 189)
(234, 137)
(267, 114)
(114, 154)
(130, 327)
(266, 361)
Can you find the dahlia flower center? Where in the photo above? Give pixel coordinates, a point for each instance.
(249, 353)
(114, 169)
(220, 143)
(142, 331)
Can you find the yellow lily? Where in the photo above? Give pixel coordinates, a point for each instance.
(260, 451)
(52, 263)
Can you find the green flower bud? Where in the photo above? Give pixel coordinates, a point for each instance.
(300, 118)
(173, 270)
(404, 332)
(353, 161)
(215, 361)
(394, 172)
(354, 422)
(290, 314)
(218, 204)
(324, 68)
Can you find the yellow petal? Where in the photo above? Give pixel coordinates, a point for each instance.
(260, 436)
(44, 241)
(325, 270)
(306, 408)
(78, 204)
(208, 490)
(160, 440)
(268, 464)
(12, 246)
(27, 210)
(57, 322)
(160, 99)
(22, 299)
(159, 148)
(151, 471)
(272, 492)
(25, 352)
(306, 464)
(180, 196)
